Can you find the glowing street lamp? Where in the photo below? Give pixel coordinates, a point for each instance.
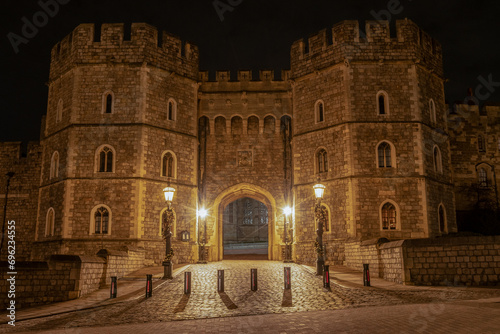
(169, 194)
(287, 211)
(319, 191)
(168, 219)
(202, 214)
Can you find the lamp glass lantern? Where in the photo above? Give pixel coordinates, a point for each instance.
(169, 193)
(319, 190)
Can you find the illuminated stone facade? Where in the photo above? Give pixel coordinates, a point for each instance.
(129, 115)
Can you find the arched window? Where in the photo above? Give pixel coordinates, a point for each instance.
(320, 111)
(59, 110)
(163, 217)
(442, 219)
(481, 145)
(108, 103)
(382, 103)
(432, 110)
(102, 218)
(105, 159)
(172, 110)
(438, 162)
(389, 217)
(384, 155)
(50, 222)
(322, 161)
(483, 177)
(168, 163)
(54, 165)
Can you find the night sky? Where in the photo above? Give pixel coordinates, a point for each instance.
(256, 34)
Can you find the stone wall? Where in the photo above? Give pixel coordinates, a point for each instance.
(65, 277)
(62, 278)
(120, 263)
(458, 261)
(439, 261)
(476, 201)
(25, 161)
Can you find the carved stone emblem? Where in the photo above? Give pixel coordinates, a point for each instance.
(244, 158)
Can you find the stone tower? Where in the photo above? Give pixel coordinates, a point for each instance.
(121, 125)
(370, 121)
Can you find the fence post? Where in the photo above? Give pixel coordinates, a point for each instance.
(113, 291)
(149, 286)
(326, 276)
(187, 283)
(288, 281)
(366, 274)
(220, 280)
(253, 279)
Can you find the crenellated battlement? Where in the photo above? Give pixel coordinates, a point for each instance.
(244, 76)
(348, 43)
(142, 43)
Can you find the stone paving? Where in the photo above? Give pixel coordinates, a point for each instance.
(307, 294)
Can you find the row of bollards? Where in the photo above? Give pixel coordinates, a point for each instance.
(253, 280)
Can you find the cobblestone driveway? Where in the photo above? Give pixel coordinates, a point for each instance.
(307, 294)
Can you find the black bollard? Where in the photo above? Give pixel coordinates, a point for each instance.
(113, 287)
(288, 281)
(220, 280)
(187, 283)
(253, 279)
(149, 286)
(366, 275)
(326, 276)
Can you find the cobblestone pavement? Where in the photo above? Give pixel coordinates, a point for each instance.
(307, 294)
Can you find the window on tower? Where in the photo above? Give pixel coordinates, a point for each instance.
(105, 160)
(384, 155)
(101, 220)
(168, 165)
(321, 161)
(389, 217)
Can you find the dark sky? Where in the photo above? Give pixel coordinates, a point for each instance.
(256, 34)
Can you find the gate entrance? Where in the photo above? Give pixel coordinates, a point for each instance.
(257, 235)
(246, 230)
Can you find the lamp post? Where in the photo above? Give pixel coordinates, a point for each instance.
(319, 191)
(9, 176)
(168, 219)
(202, 214)
(288, 251)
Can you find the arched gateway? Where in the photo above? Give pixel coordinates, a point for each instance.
(237, 192)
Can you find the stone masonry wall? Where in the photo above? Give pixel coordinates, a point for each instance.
(459, 261)
(439, 261)
(22, 205)
(62, 278)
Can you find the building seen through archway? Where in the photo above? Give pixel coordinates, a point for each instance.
(245, 229)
